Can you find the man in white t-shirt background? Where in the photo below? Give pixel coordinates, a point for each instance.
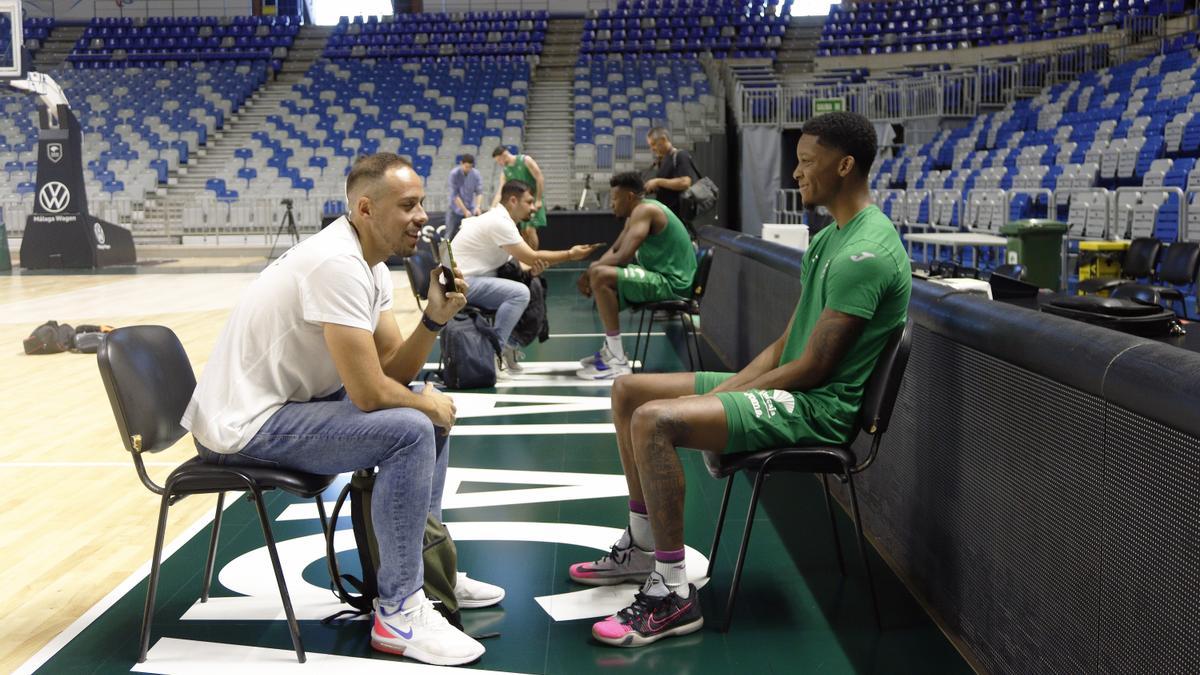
(484, 243)
(311, 373)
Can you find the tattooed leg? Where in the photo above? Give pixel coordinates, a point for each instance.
(628, 394)
(658, 428)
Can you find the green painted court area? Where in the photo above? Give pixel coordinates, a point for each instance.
(527, 496)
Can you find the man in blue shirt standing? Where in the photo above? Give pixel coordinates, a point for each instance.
(466, 193)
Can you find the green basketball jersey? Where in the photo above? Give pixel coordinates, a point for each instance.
(860, 269)
(518, 171)
(670, 252)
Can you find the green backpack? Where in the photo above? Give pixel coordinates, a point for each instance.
(440, 556)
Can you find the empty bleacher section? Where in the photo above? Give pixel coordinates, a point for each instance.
(745, 29)
(888, 26)
(139, 125)
(508, 33)
(108, 42)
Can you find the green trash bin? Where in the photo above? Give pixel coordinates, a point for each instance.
(1037, 244)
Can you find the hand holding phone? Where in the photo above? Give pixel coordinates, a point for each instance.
(446, 262)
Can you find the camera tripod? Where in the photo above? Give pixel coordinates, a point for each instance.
(587, 187)
(287, 222)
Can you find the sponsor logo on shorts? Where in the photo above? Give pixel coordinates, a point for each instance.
(784, 398)
(750, 395)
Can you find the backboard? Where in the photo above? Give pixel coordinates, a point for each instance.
(10, 39)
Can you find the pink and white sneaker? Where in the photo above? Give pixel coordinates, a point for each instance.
(657, 612)
(421, 633)
(624, 563)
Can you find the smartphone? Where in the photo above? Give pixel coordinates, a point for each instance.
(446, 261)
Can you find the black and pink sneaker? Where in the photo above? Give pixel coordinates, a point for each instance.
(656, 613)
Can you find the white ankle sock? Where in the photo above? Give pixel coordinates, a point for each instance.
(675, 574)
(640, 532)
(614, 346)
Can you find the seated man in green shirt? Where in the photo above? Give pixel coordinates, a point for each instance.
(803, 389)
(652, 259)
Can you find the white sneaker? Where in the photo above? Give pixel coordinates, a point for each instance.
(502, 372)
(511, 358)
(473, 594)
(604, 353)
(604, 369)
(423, 634)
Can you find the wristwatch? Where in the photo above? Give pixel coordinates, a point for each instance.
(430, 324)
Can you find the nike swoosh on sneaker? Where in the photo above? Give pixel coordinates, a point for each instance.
(397, 631)
(655, 624)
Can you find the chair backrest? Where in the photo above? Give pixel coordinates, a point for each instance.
(704, 258)
(1180, 263)
(1012, 270)
(419, 266)
(879, 397)
(149, 381)
(1141, 257)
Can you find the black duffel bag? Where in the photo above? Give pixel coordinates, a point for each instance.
(1125, 315)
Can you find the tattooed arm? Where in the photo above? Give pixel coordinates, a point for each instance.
(832, 337)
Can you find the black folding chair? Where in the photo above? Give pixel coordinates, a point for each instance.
(149, 382)
(683, 309)
(878, 400)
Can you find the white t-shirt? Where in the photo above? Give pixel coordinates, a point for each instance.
(477, 245)
(273, 349)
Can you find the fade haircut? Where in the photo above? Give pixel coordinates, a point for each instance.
(514, 188)
(630, 180)
(500, 150)
(848, 132)
(659, 132)
(369, 169)
(468, 158)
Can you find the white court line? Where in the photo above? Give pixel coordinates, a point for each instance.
(544, 368)
(71, 632)
(531, 429)
(60, 465)
(576, 335)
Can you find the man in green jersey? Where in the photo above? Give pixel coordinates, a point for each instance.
(805, 388)
(652, 259)
(526, 170)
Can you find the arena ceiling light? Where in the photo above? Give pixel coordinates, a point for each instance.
(10, 38)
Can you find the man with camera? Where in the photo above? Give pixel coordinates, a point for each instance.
(487, 242)
(311, 373)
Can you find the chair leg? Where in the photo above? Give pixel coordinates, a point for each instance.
(325, 527)
(741, 559)
(712, 554)
(687, 345)
(212, 547)
(837, 541)
(646, 343)
(862, 548)
(695, 341)
(637, 340)
(152, 587)
(293, 627)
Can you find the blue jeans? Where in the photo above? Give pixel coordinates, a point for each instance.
(506, 297)
(331, 435)
(453, 221)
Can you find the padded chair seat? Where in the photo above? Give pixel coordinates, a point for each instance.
(1100, 284)
(816, 459)
(672, 306)
(196, 475)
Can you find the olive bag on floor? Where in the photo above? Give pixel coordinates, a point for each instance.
(439, 554)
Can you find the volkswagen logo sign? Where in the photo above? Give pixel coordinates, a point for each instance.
(54, 196)
(99, 232)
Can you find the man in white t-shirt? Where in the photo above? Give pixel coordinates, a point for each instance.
(484, 243)
(311, 373)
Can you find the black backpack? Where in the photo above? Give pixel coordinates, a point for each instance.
(470, 346)
(439, 554)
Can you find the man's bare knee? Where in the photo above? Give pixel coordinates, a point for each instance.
(656, 423)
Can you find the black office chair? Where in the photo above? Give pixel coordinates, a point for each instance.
(878, 400)
(684, 309)
(1139, 263)
(149, 382)
(1012, 271)
(1180, 268)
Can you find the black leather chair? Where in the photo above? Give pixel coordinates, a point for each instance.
(878, 400)
(149, 381)
(684, 309)
(1180, 268)
(1012, 271)
(1139, 263)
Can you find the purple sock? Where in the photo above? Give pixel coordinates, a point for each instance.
(637, 507)
(668, 556)
(612, 333)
